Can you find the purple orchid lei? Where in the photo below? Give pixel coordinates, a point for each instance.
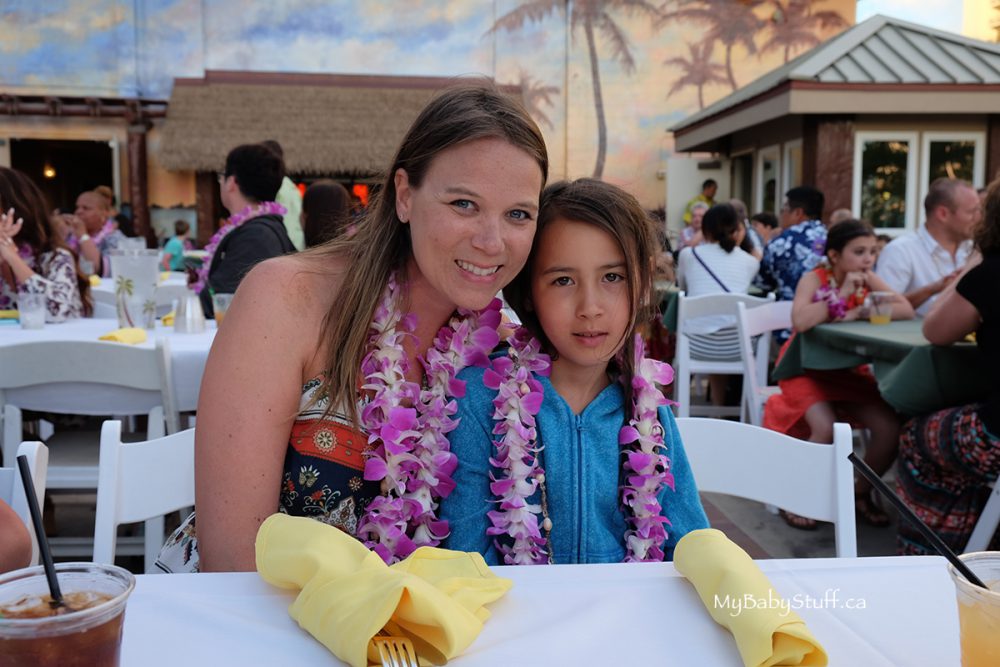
(408, 425)
(519, 398)
(646, 466)
(235, 220)
(106, 228)
(835, 304)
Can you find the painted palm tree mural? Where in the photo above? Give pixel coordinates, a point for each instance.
(725, 22)
(795, 26)
(595, 18)
(535, 94)
(698, 70)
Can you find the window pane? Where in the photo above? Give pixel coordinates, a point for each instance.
(952, 159)
(883, 182)
(794, 166)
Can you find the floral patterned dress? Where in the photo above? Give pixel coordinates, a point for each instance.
(55, 277)
(323, 478)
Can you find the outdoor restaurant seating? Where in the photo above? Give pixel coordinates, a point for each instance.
(127, 493)
(810, 479)
(752, 323)
(688, 363)
(12, 489)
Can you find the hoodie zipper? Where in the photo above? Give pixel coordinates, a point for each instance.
(580, 490)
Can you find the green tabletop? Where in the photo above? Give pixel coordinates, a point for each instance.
(913, 376)
(668, 303)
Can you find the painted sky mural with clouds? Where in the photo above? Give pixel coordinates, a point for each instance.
(137, 47)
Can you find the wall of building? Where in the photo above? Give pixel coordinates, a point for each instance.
(653, 68)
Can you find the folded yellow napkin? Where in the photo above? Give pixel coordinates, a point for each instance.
(95, 281)
(164, 275)
(348, 594)
(8, 315)
(724, 576)
(130, 335)
(168, 319)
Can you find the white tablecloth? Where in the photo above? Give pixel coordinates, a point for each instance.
(188, 353)
(574, 614)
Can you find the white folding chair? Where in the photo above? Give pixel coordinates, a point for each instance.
(12, 490)
(987, 524)
(687, 364)
(141, 481)
(759, 321)
(810, 479)
(87, 378)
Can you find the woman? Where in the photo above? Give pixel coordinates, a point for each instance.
(33, 257)
(282, 424)
(809, 404)
(717, 266)
(326, 212)
(949, 460)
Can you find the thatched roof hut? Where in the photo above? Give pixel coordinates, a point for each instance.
(327, 124)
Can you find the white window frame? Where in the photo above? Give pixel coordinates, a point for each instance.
(978, 161)
(753, 174)
(758, 163)
(913, 138)
(786, 164)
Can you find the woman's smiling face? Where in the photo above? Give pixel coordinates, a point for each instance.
(472, 219)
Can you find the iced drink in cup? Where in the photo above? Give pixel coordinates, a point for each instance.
(220, 304)
(979, 609)
(881, 310)
(88, 633)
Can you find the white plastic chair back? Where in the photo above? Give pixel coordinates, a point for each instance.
(686, 366)
(12, 490)
(987, 524)
(29, 371)
(754, 322)
(141, 481)
(809, 479)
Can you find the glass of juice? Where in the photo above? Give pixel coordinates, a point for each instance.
(881, 310)
(86, 632)
(979, 609)
(220, 304)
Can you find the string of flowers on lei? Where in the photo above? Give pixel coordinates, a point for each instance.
(645, 464)
(106, 228)
(408, 425)
(235, 220)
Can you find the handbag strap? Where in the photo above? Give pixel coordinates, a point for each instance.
(694, 252)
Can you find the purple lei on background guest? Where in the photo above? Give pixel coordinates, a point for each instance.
(235, 220)
(411, 454)
(106, 228)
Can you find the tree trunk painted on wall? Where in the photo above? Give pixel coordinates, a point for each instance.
(595, 74)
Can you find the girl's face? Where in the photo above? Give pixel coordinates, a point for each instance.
(858, 255)
(471, 220)
(579, 291)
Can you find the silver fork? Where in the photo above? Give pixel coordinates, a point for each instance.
(395, 651)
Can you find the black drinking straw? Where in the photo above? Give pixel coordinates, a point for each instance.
(908, 514)
(43, 543)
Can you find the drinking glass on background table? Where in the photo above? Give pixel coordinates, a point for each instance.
(135, 274)
(220, 303)
(881, 308)
(979, 609)
(31, 310)
(89, 634)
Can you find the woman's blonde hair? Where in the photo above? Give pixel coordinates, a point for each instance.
(381, 245)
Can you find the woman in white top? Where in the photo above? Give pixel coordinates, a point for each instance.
(716, 266)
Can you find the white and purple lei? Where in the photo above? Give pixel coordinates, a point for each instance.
(235, 220)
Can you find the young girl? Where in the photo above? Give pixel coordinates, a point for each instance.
(809, 404)
(585, 465)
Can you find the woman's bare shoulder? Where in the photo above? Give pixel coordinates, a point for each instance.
(305, 284)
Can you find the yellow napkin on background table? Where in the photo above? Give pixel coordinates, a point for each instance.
(348, 594)
(9, 314)
(719, 569)
(164, 275)
(130, 335)
(95, 281)
(168, 319)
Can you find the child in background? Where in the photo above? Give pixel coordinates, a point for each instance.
(561, 487)
(809, 404)
(173, 251)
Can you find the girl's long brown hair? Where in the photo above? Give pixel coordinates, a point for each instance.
(987, 232)
(381, 245)
(19, 192)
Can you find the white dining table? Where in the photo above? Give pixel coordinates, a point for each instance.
(864, 611)
(188, 353)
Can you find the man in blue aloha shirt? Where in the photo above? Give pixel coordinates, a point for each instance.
(797, 249)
